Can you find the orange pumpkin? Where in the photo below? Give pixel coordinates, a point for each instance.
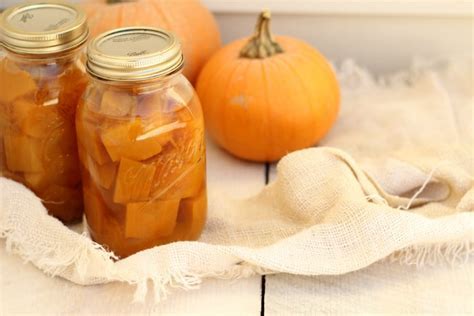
(189, 19)
(263, 98)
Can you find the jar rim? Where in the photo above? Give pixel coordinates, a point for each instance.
(43, 28)
(134, 54)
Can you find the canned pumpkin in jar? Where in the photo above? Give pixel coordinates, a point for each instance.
(42, 78)
(141, 143)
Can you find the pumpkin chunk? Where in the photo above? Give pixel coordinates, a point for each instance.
(14, 82)
(185, 114)
(22, 153)
(191, 217)
(151, 219)
(60, 142)
(60, 156)
(20, 110)
(104, 175)
(187, 184)
(35, 180)
(95, 209)
(126, 141)
(117, 103)
(3, 160)
(54, 174)
(149, 105)
(74, 83)
(40, 121)
(133, 181)
(180, 168)
(163, 133)
(89, 138)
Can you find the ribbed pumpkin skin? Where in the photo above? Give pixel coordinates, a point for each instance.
(188, 19)
(262, 109)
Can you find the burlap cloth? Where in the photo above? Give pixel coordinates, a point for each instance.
(396, 184)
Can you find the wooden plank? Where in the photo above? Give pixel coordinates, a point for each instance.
(24, 289)
(382, 288)
(234, 177)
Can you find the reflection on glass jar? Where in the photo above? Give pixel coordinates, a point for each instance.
(141, 143)
(42, 78)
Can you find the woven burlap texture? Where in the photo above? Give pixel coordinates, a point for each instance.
(392, 181)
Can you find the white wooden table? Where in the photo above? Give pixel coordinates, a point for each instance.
(381, 288)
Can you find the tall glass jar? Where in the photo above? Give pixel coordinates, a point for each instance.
(141, 143)
(42, 77)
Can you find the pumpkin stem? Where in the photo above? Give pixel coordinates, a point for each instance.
(262, 44)
(114, 1)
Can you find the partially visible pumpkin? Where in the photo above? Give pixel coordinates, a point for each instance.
(188, 19)
(264, 98)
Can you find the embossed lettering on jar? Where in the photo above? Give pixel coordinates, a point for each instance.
(141, 143)
(42, 78)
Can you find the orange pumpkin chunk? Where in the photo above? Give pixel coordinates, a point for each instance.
(20, 110)
(89, 138)
(22, 153)
(180, 168)
(53, 174)
(40, 121)
(3, 160)
(60, 156)
(95, 209)
(14, 82)
(60, 142)
(187, 184)
(74, 83)
(126, 141)
(150, 105)
(117, 103)
(191, 216)
(151, 219)
(185, 115)
(35, 180)
(104, 175)
(133, 181)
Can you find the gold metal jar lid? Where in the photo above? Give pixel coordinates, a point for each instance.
(134, 54)
(43, 27)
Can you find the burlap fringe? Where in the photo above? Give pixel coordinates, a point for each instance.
(189, 281)
(55, 260)
(453, 254)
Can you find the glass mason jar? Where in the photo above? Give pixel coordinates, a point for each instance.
(42, 77)
(141, 143)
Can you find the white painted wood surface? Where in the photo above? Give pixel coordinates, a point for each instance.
(381, 288)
